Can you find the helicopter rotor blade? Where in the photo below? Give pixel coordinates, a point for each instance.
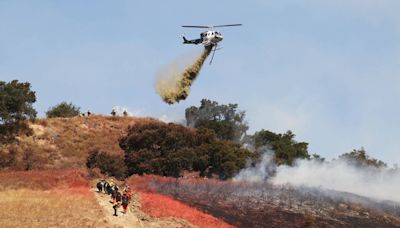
(211, 26)
(196, 26)
(230, 25)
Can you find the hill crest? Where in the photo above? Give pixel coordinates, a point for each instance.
(59, 143)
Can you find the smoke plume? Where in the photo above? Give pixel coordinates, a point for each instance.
(174, 86)
(260, 172)
(338, 175)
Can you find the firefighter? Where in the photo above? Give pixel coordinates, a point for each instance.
(112, 183)
(128, 191)
(129, 194)
(113, 112)
(99, 186)
(108, 188)
(125, 202)
(118, 197)
(114, 196)
(115, 206)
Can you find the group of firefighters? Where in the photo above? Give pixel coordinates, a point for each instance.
(117, 199)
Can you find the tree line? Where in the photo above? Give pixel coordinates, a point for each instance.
(213, 143)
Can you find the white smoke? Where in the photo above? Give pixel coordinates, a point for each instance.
(171, 118)
(260, 172)
(339, 175)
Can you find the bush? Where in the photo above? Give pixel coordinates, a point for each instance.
(63, 110)
(227, 158)
(286, 149)
(159, 148)
(170, 149)
(112, 165)
(360, 158)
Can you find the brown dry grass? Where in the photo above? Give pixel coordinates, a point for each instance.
(30, 208)
(48, 199)
(60, 143)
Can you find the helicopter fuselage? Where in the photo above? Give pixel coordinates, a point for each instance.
(207, 38)
(211, 38)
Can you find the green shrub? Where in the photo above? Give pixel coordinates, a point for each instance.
(286, 149)
(63, 109)
(169, 149)
(110, 164)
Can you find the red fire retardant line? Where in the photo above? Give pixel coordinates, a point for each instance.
(161, 206)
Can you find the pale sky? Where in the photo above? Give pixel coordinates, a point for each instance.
(327, 70)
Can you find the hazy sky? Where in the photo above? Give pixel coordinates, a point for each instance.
(327, 70)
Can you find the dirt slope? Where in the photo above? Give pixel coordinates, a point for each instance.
(48, 199)
(65, 199)
(135, 217)
(59, 143)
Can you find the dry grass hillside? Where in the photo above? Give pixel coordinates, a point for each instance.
(66, 198)
(48, 199)
(60, 143)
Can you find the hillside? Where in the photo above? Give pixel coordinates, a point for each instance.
(60, 143)
(54, 159)
(47, 199)
(246, 204)
(67, 199)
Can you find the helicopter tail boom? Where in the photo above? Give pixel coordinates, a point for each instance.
(195, 41)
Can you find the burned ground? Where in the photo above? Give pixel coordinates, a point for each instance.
(264, 205)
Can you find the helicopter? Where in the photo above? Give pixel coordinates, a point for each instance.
(209, 38)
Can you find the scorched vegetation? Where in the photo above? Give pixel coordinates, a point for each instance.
(264, 205)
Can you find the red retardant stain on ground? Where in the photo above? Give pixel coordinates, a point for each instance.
(44, 180)
(160, 206)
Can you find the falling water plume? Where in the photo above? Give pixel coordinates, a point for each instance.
(175, 86)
